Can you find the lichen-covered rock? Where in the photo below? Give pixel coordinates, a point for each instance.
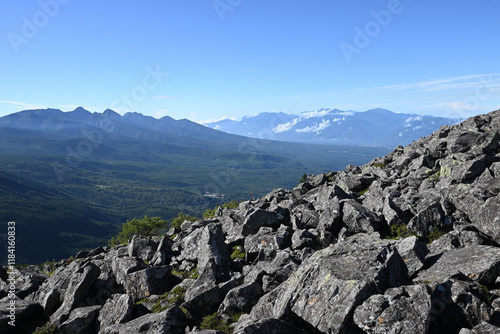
(478, 263)
(269, 325)
(401, 310)
(457, 304)
(118, 309)
(76, 293)
(81, 320)
(482, 328)
(325, 290)
(142, 247)
(241, 299)
(359, 219)
(172, 321)
(413, 253)
(150, 281)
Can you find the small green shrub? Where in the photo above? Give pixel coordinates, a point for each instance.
(214, 322)
(176, 296)
(397, 231)
(146, 226)
(237, 253)
(362, 192)
(379, 165)
(303, 178)
(181, 218)
(47, 329)
(210, 213)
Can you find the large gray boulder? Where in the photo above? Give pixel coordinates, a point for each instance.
(172, 321)
(81, 321)
(150, 281)
(241, 299)
(18, 315)
(326, 289)
(76, 293)
(269, 325)
(399, 310)
(118, 309)
(478, 263)
(359, 219)
(142, 247)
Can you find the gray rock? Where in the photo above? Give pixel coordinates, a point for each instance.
(142, 247)
(456, 305)
(28, 280)
(212, 248)
(79, 285)
(172, 321)
(266, 237)
(427, 220)
(359, 219)
(122, 266)
(150, 281)
(413, 253)
(479, 263)
(269, 325)
(96, 251)
(81, 255)
(205, 298)
(241, 299)
(325, 290)
(301, 239)
(117, 310)
(81, 320)
(259, 218)
(22, 313)
(160, 258)
(459, 239)
(482, 328)
(402, 310)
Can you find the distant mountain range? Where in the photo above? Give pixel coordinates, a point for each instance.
(377, 127)
(69, 179)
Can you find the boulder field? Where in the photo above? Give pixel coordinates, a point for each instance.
(408, 243)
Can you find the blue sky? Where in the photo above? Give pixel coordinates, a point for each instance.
(209, 59)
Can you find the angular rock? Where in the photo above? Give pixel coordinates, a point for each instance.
(413, 253)
(266, 237)
(117, 310)
(401, 310)
(76, 293)
(81, 320)
(259, 218)
(205, 298)
(325, 290)
(122, 266)
(482, 328)
(269, 325)
(460, 239)
(3, 274)
(21, 313)
(241, 299)
(150, 281)
(456, 305)
(427, 220)
(479, 263)
(359, 219)
(172, 321)
(301, 239)
(142, 247)
(160, 258)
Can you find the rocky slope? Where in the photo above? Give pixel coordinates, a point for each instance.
(315, 259)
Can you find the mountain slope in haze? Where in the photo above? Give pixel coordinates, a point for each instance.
(377, 127)
(129, 166)
(48, 222)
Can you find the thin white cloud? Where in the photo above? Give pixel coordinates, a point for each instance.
(24, 105)
(462, 82)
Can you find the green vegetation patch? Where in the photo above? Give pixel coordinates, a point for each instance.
(147, 226)
(237, 253)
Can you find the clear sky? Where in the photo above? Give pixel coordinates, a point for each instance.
(209, 59)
